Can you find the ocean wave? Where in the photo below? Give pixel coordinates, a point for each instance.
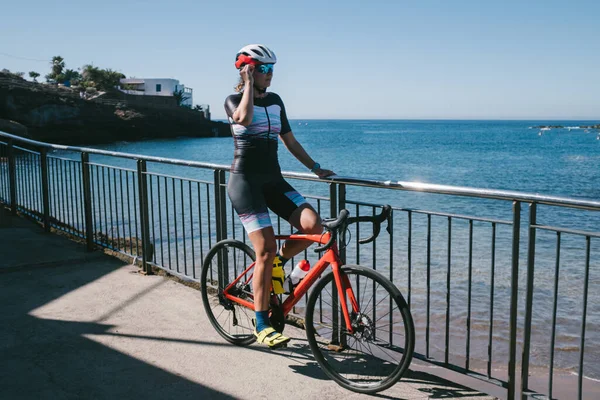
(380, 131)
(586, 377)
(580, 157)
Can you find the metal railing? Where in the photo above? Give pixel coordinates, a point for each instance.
(475, 308)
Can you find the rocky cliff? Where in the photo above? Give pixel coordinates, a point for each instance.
(59, 115)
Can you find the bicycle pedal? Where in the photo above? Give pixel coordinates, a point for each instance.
(279, 346)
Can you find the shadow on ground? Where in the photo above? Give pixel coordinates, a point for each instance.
(44, 358)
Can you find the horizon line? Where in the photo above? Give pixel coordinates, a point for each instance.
(580, 119)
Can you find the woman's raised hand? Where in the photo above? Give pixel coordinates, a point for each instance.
(246, 74)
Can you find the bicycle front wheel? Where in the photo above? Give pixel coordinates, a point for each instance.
(224, 262)
(379, 350)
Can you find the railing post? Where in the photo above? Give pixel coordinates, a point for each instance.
(45, 188)
(87, 201)
(333, 200)
(144, 212)
(220, 205)
(12, 174)
(223, 204)
(335, 330)
(221, 222)
(514, 300)
(341, 206)
(341, 247)
(528, 300)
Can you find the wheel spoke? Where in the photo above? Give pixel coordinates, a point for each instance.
(362, 363)
(234, 256)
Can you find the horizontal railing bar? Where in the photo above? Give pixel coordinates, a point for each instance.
(178, 177)
(469, 192)
(363, 203)
(116, 154)
(458, 216)
(27, 150)
(314, 197)
(63, 159)
(112, 167)
(396, 185)
(567, 230)
(440, 214)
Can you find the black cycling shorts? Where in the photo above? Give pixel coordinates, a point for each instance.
(252, 194)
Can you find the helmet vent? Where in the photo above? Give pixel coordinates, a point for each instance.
(266, 51)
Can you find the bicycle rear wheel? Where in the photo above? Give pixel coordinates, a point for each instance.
(379, 351)
(224, 262)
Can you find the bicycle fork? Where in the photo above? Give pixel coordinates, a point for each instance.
(344, 292)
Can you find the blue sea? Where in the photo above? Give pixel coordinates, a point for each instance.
(485, 154)
(508, 155)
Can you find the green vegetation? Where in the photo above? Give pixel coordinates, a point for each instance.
(101, 79)
(181, 97)
(14, 74)
(91, 77)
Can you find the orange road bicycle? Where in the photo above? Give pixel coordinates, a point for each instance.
(358, 324)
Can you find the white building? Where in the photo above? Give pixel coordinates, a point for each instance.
(157, 87)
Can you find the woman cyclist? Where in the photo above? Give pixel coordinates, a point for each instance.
(258, 119)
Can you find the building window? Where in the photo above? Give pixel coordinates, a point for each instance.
(158, 87)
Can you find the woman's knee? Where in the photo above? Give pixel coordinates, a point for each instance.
(306, 220)
(313, 228)
(264, 244)
(267, 253)
(311, 222)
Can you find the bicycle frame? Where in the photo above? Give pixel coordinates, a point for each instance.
(330, 257)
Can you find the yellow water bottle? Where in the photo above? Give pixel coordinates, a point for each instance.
(278, 276)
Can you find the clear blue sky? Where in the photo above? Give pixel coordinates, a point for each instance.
(337, 59)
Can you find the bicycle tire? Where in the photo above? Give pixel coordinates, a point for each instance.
(327, 351)
(223, 314)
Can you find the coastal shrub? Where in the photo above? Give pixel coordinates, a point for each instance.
(103, 79)
(8, 72)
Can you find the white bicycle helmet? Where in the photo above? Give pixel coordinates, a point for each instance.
(254, 54)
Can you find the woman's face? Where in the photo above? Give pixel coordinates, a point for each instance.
(262, 75)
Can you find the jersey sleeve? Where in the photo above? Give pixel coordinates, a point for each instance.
(231, 103)
(285, 124)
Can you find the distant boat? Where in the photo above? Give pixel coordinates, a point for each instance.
(540, 133)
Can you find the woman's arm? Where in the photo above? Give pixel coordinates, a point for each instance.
(294, 147)
(244, 113)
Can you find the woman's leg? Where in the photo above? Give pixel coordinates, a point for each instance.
(265, 247)
(245, 193)
(306, 220)
(263, 241)
(286, 202)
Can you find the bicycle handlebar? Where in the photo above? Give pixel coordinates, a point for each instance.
(334, 225)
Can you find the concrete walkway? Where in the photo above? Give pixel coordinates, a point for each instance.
(84, 325)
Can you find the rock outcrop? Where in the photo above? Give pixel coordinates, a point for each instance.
(58, 115)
